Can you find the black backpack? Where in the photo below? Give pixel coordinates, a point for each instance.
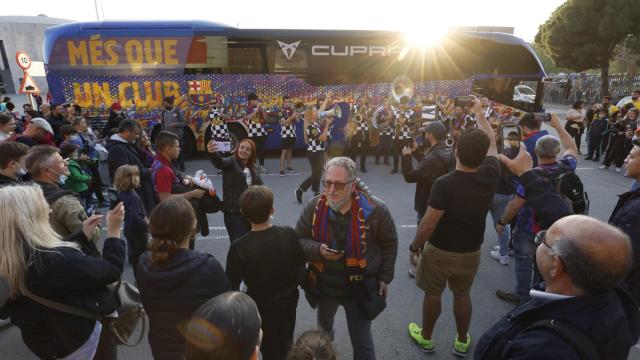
(568, 184)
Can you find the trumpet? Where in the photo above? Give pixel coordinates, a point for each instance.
(358, 118)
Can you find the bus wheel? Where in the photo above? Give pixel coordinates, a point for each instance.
(189, 146)
(237, 133)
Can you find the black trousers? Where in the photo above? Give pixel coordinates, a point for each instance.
(576, 134)
(260, 141)
(397, 146)
(316, 160)
(236, 224)
(616, 151)
(358, 145)
(96, 180)
(595, 143)
(137, 239)
(278, 324)
(384, 148)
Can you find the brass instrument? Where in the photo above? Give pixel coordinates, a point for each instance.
(402, 89)
(381, 122)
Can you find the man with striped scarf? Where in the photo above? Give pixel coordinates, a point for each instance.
(350, 241)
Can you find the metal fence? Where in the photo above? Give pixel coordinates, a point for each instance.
(587, 88)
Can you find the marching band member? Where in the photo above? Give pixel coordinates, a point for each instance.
(385, 136)
(359, 141)
(402, 134)
(218, 129)
(288, 118)
(315, 137)
(255, 118)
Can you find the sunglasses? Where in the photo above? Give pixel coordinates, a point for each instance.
(338, 185)
(540, 239)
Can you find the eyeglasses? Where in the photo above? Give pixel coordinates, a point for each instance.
(338, 185)
(540, 239)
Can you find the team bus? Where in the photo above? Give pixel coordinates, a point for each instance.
(138, 63)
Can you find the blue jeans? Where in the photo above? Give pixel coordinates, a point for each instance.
(359, 327)
(498, 205)
(524, 252)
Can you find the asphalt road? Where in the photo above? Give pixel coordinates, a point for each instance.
(404, 302)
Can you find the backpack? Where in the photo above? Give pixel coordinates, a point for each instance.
(568, 184)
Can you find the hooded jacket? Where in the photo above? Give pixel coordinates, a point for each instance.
(172, 292)
(121, 152)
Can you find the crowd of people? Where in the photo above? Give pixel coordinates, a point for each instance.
(577, 279)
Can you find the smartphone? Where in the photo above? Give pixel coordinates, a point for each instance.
(463, 101)
(224, 146)
(542, 117)
(510, 140)
(334, 251)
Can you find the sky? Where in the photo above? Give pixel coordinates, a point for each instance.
(414, 16)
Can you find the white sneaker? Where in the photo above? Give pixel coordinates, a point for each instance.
(504, 260)
(603, 167)
(618, 169)
(496, 248)
(412, 272)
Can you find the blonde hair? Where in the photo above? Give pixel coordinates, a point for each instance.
(24, 229)
(127, 177)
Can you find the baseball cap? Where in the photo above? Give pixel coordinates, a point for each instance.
(42, 124)
(437, 129)
(116, 106)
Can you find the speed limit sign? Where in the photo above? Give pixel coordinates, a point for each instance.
(23, 60)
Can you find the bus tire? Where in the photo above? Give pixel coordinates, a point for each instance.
(238, 132)
(189, 146)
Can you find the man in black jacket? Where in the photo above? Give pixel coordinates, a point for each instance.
(626, 217)
(122, 151)
(56, 119)
(438, 161)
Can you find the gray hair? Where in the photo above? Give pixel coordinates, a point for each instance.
(586, 273)
(548, 147)
(343, 162)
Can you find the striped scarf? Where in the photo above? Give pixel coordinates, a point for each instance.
(356, 242)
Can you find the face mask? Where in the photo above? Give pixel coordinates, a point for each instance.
(62, 178)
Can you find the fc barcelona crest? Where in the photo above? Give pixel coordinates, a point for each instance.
(200, 92)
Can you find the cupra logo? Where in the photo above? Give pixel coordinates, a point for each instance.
(288, 49)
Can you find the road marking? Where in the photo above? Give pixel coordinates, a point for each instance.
(408, 226)
(217, 228)
(585, 168)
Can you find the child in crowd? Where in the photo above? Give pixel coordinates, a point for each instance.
(313, 345)
(78, 180)
(136, 223)
(269, 259)
(597, 131)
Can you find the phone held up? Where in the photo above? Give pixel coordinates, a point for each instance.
(334, 251)
(542, 117)
(224, 146)
(510, 140)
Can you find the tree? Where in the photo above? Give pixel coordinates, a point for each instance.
(583, 34)
(546, 60)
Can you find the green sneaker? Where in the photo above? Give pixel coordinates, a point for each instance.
(415, 332)
(461, 348)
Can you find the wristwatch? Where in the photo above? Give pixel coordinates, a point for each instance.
(412, 249)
